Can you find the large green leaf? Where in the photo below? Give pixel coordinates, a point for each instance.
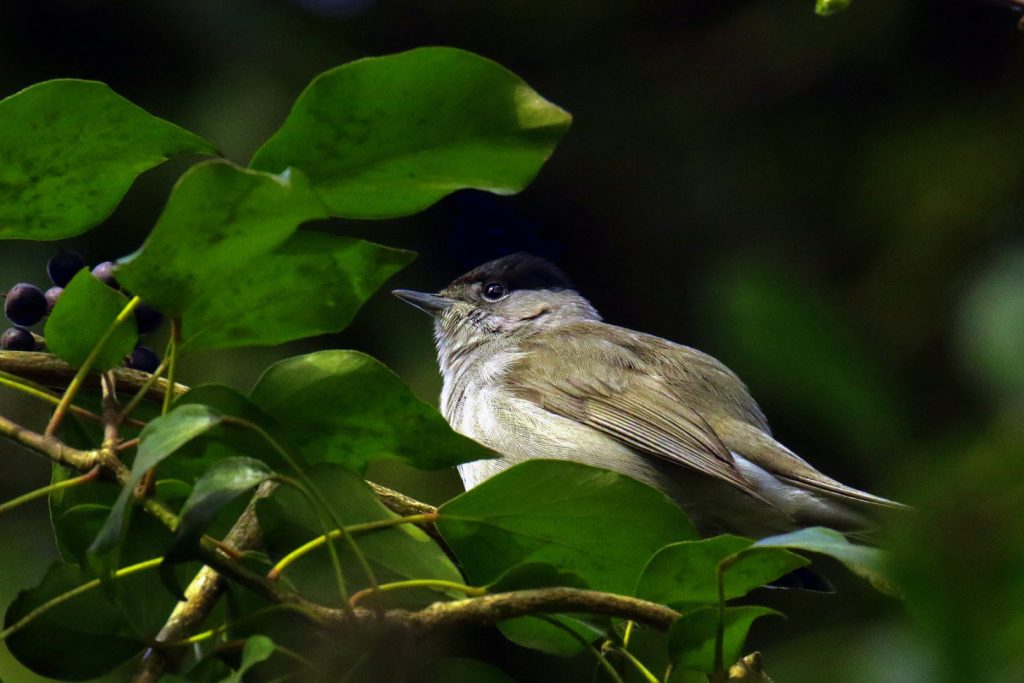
(83, 314)
(345, 407)
(870, 563)
(80, 639)
(600, 525)
(70, 151)
(389, 136)
(312, 284)
(691, 639)
(161, 437)
(217, 219)
(394, 553)
(685, 574)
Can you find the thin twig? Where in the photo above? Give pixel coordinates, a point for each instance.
(48, 370)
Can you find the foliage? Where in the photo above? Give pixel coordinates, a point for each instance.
(231, 263)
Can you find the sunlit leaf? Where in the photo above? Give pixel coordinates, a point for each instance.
(870, 563)
(312, 284)
(70, 151)
(389, 136)
(600, 525)
(217, 219)
(345, 407)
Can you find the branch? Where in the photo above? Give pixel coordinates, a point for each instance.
(483, 610)
(49, 446)
(201, 596)
(490, 609)
(47, 369)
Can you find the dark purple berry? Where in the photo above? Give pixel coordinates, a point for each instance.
(17, 339)
(144, 358)
(25, 304)
(52, 294)
(63, 267)
(147, 318)
(104, 272)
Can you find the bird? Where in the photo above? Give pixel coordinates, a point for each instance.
(531, 370)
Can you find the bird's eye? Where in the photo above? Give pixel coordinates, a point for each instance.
(494, 291)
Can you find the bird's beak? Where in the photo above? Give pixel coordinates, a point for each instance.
(428, 303)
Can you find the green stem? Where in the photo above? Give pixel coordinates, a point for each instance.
(638, 665)
(335, 559)
(719, 675)
(171, 358)
(143, 390)
(601, 659)
(46, 490)
(436, 584)
(73, 593)
(36, 391)
(371, 577)
(83, 372)
(351, 529)
(630, 625)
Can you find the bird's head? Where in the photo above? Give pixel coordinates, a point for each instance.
(508, 298)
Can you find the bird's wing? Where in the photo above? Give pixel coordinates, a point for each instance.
(589, 373)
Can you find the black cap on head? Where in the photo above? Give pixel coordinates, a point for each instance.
(518, 271)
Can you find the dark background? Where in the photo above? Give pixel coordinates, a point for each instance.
(832, 206)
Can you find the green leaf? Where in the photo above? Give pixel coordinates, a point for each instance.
(685, 574)
(865, 561)
(346, 408)
(257, 649)
(395, 553)
(458, 670)
(691, 638)
(389, 136)
(827, 8)
(194, 458)
(70, 150)
(220, 485)
(80, 639)
(312, 284)
(600, 525)
(217, 219)
(83, 314)
(161, 437)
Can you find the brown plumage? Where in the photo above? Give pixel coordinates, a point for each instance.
(531, 370)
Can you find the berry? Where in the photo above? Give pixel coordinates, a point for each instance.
(104, 272)
(17, 339)
(147, 318)
(25, 304)
(143, 358)
(62, 267)
(52, 294)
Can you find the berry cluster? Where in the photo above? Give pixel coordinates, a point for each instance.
(25, 305)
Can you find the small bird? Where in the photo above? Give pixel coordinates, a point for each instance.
(531, 371)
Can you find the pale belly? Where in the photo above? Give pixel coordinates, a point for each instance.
(520, 430)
